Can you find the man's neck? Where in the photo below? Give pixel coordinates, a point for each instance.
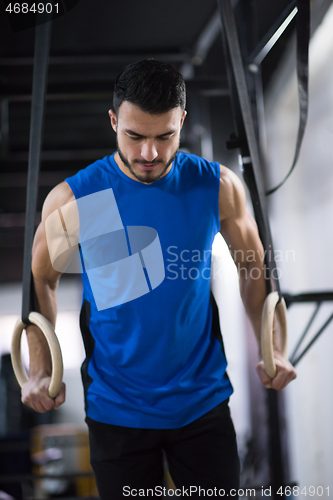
(125, 170)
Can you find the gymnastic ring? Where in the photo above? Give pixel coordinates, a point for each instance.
(271, 304)
(54, 346)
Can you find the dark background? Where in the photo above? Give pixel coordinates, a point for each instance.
(90, 44)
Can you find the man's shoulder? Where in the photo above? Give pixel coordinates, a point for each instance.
(90, 178)
(59, 196)
(198, 163)
(232, 198)
(103, 163)
(186, 156)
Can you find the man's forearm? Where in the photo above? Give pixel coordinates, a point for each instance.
(253, 293)
(35, 390)
(40, 358)
(46, 278)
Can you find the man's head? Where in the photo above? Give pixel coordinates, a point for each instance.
(153, 86)
(149, 111)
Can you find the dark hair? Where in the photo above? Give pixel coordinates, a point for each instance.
(154, 86)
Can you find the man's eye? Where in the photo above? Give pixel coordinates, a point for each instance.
(134, 137)
(165, 138)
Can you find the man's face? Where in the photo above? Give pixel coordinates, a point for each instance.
(147, 144)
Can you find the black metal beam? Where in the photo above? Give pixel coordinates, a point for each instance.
(19, 179)
(318, 298)
(247, 126)
(64, 155)
(103, 90)
(307, 297)
(273, 35)
(248, 138)
(316, 337)
(121, 59)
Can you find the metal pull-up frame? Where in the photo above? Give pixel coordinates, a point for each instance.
(247, 140)
(317, 298)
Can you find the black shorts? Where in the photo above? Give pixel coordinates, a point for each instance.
(202, 454)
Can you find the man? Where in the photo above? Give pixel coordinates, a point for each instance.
(154, 375)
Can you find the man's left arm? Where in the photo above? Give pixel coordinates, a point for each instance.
(240, 232)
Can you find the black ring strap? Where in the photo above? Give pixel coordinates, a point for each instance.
(303, 39)
(41, 56)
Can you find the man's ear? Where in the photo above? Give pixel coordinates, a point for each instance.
(113, 119)
(183, 118)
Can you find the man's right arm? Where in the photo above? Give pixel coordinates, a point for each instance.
(46, 279)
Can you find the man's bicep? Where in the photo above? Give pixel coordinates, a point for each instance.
(50, 238)
(41, 266)
(242, 238)
(238, 227)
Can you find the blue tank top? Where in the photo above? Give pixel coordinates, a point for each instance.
(154, 352)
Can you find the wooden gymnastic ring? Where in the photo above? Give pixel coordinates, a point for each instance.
(271, 304)
(57, 364)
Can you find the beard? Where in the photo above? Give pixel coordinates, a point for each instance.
(147, 178)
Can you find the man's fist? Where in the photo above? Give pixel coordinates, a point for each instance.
(35, 395)
(285, 373)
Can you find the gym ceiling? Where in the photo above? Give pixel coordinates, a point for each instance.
(90, 45)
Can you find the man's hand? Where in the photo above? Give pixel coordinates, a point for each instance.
(35, 395)
(46, 278)
(285, 373)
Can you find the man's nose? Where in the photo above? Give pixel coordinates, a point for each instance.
(148, 151)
